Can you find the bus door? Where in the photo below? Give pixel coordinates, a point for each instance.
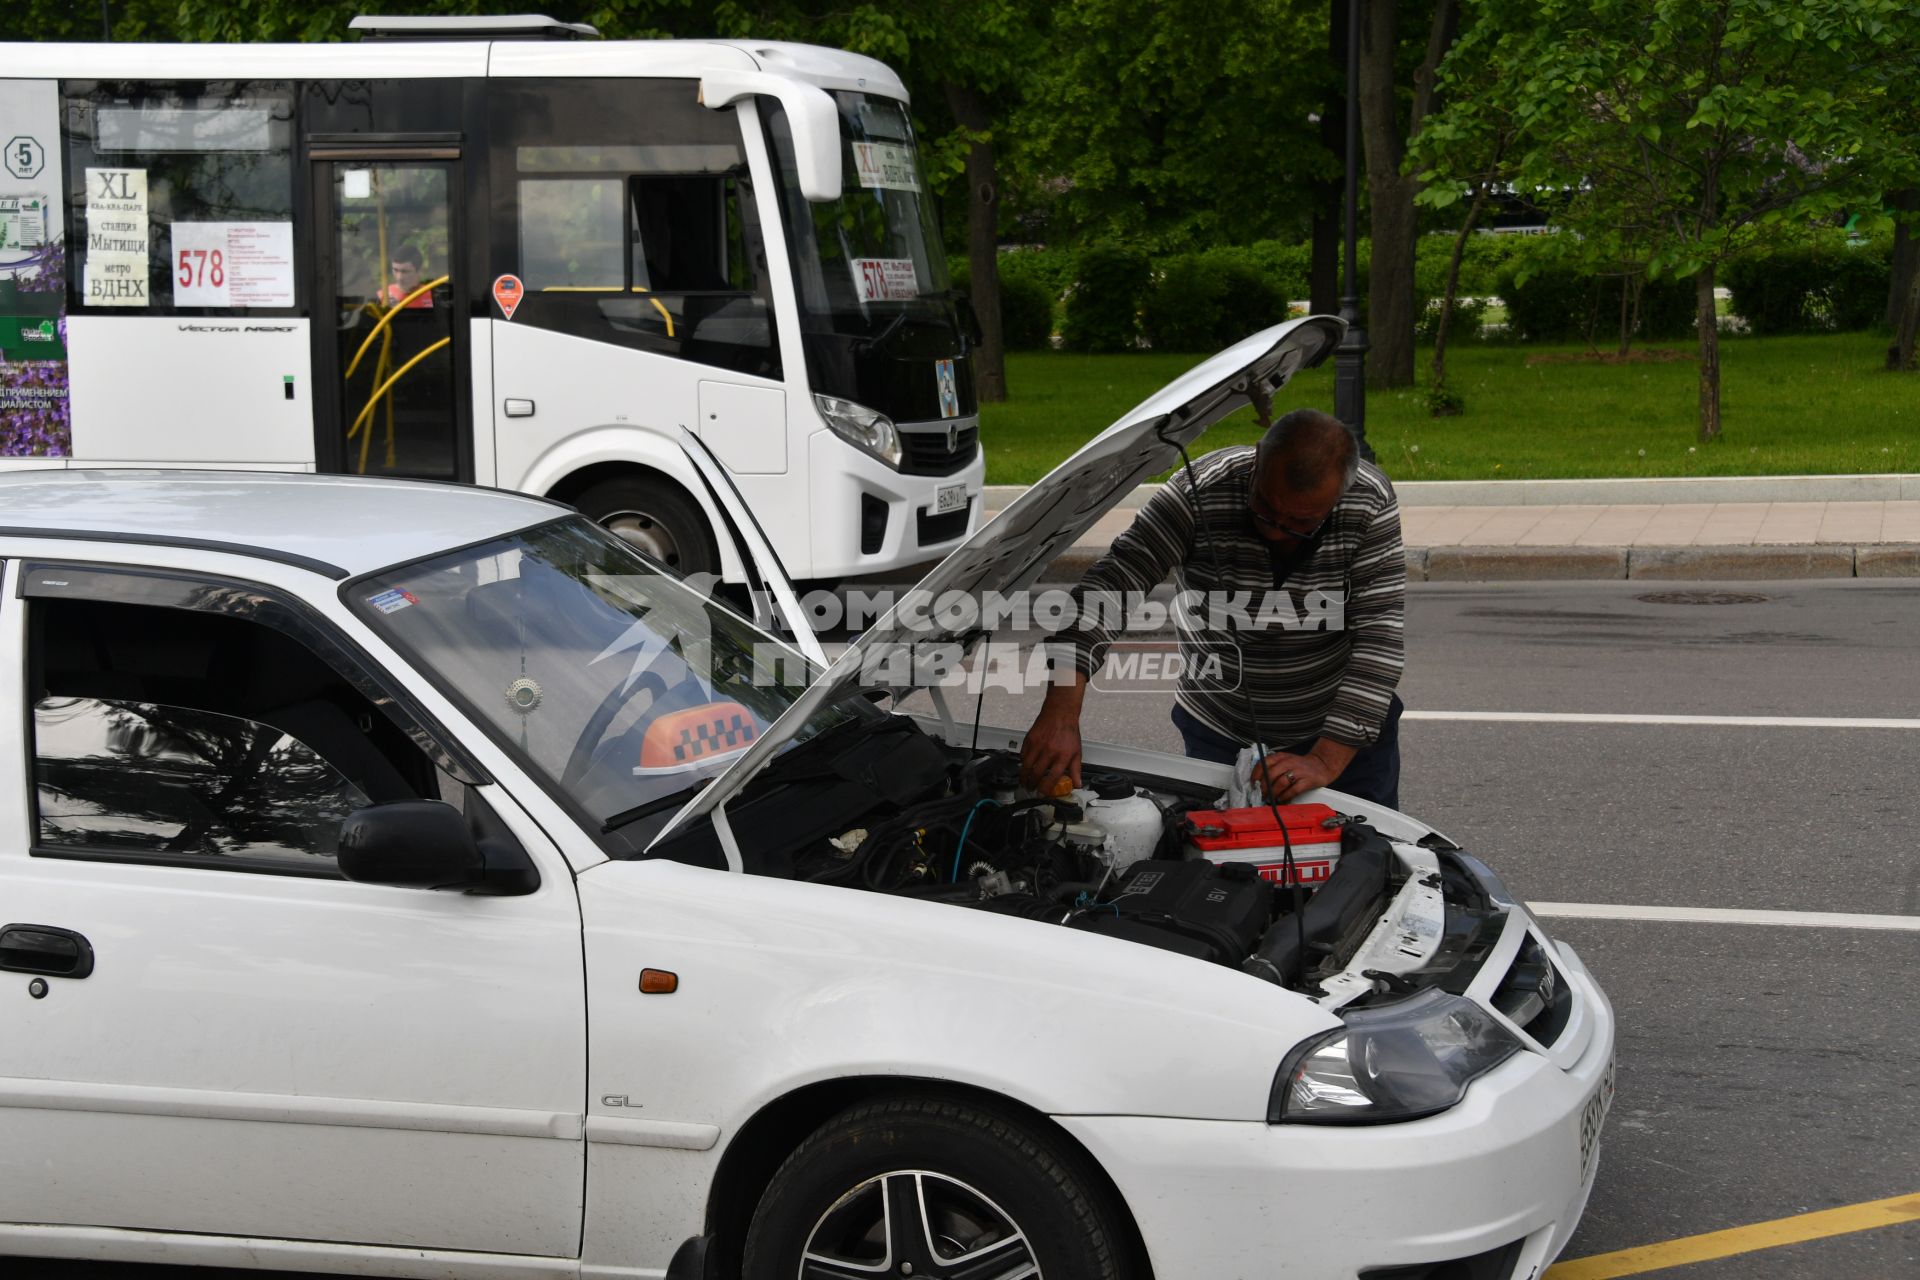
(389, 254)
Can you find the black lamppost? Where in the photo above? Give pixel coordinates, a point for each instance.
(1350, 357)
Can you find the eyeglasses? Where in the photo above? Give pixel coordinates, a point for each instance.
(1268, 522)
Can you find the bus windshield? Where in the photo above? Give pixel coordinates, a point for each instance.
(869, 269)
(862, 258)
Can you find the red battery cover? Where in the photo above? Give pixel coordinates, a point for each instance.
(1252, 835)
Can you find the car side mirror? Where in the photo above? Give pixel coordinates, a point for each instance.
(411, 844)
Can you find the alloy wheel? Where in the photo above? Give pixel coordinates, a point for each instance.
(917, 1225)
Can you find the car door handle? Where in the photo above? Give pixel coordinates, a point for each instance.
(42, 948)
(519, 408)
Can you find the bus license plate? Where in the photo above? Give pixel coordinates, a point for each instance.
(1592, 1117)
(949, 497)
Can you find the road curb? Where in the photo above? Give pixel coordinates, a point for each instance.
(1882, 487)
(1600, 564)
(1710, 564)
(1889, 561)
(1525, 564)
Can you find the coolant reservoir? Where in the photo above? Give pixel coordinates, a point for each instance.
(1132, 822)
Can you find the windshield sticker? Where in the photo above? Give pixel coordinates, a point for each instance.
(949, 397)
(885, 279)
(885, 167)
(116, 266)
(507, 291)
(233, 264)
(393, 600)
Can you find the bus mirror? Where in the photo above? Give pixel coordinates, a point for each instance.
(811, 115)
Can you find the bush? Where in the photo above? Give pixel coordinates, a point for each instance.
(1669, 309)
(1026, 313)
(1818, 285)
(1555, 303)
(1560, 302)
(1026, 307)
(1486, 256)
(1103, 310)
(1053, 268)
(1286, 268)
(1469, 314)
(1481, 262)
(1203, 302)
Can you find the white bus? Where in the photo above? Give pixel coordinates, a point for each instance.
(477, 250)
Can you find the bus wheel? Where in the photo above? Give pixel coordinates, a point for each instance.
(657, 518)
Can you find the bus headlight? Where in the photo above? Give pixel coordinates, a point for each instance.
(861, 427)
(1396, 1062)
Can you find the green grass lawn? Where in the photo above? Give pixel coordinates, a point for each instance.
(1816, 405)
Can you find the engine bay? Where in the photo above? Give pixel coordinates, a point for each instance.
(1285, 893)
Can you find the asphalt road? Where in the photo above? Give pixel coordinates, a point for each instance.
(1763, 1071)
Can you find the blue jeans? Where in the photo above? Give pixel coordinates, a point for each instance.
(1373, 773)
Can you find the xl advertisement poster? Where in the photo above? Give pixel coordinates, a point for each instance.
(34, 419)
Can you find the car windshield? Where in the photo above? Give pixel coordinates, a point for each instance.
(612, 678)
(865, 261)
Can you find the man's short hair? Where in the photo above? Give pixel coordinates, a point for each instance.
(1308, 446)
(410, 255)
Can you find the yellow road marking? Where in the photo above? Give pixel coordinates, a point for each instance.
(1738, 1240)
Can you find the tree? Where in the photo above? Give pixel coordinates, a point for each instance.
(1329, 193)
(1906, 252)
(964, 61)
(1460, 155)
(1180, 124)
(1696, 128)
(1390, 189)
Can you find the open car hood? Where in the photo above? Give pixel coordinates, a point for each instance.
(1010, 551)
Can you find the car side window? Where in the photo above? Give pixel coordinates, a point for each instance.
(114, 774)
(201, 736)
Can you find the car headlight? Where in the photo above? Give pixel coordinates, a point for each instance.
(1400, 1061)
(861, 427)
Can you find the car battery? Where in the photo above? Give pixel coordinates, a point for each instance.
(1253, 835)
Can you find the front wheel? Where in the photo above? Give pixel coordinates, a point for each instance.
(935, 1190)
(658, 518)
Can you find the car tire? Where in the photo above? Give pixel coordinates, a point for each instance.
(657, 517)
(990, 1187)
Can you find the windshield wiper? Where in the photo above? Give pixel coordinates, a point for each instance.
(659, 804)
(900, 316)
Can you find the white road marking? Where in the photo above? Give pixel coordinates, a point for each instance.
(1602, 717)
(1722, 915)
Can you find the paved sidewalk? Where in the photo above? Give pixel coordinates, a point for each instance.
(1671, 540)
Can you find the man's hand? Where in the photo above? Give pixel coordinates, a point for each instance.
(1052, 747)
(1291, 775)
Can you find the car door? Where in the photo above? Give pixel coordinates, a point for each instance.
(203, 1026)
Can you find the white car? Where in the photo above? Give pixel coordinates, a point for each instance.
(412, 880)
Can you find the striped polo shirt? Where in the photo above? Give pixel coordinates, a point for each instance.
(1321, 655)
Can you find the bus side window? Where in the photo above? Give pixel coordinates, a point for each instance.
(633, 219)
(168, 184)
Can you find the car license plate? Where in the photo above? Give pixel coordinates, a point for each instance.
(949, 497)
(1592, 1117)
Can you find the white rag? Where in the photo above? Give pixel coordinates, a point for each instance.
(1242, 792)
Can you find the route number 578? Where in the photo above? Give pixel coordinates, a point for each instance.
(200, 267)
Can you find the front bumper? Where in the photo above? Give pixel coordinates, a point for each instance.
(840, 477)
(1223, 1200)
